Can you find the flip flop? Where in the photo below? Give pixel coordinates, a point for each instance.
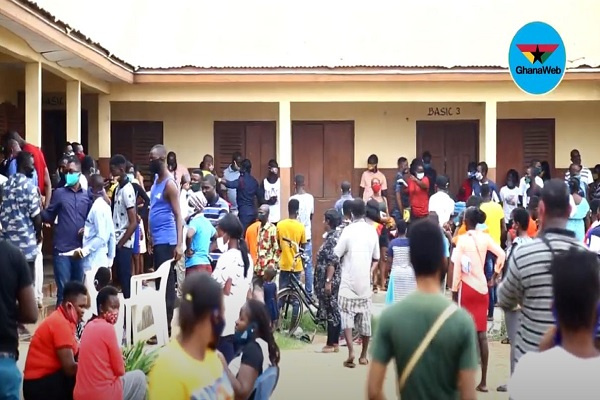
(363, 361)
(349, 363)
(481, 389)
(327, 350)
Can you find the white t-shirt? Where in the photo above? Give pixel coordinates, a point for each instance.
(524, 186)
(357, 246)
(125, 199)
(271, 190)
(442, 205)
(555, 374)
(231, 266)
(510, 200)
(307, 208)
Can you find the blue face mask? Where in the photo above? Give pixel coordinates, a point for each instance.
(72, 178)
(241, 338)
(130, 177)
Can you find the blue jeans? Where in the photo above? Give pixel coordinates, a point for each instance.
(65, 269)
(123, 259)
(490, 260)
(10, 379)
(308, 269)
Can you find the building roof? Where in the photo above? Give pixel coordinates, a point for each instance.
(266, 34)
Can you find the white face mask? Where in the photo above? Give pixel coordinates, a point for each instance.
(420, 175)
(479, 176)
(222, 245)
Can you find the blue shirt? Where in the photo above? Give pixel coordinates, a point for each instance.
(98, 236)
(21, 203)
(231, 175)
(161, 217)
(339, 205)
(204, 231)
(71, 208)
(247, 189)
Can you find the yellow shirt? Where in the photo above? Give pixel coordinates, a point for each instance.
(494, 215)
(293, 230)
(177, 376)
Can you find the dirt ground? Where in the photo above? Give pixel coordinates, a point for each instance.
(307, 374)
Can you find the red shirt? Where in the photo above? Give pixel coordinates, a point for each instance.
(466, 190)
(100, 364)
(55, 332)
(39, 162)
(419, 198)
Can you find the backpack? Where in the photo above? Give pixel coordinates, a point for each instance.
(266, 383)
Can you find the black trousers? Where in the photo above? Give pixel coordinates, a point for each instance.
(162, 253)
(56, 386)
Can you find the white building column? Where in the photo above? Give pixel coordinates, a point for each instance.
(74, 111)
(104, 143)
(33, 104)
(489, 143)
(284, 153)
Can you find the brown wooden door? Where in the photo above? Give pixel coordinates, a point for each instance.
(521, 141)
(324, 153)
(254, 140)
(452, 144)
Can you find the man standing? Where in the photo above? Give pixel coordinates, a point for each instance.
(78, 150)
(20, 214)
(39, 162)
(528, 280)
(358, 248)
(447, 366)
(177, 170)
(18, 306)
(248, 194)
(165, 228)
(482, 179)
(366, 192)
(216, 207)
(402, 203)
(125, 219)
(305, 215)
(71, 205)
(262, 237)
(346, 195)
(230, 174)
(430, 173)
(290, 232)
(272, 190)
(440, 202)
(585, 174)
(531, 183)
(98, 246)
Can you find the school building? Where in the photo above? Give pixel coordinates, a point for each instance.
(318, 91)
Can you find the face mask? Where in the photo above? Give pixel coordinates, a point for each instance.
(196, 186)
(471, 174)
(222, 245)
(241, 338)
(71, 179)
(420, 175)
(155, 166)
(372, 167)
(274, 171)
(376, 188)
(510, 184)
(111, 317)
(478, 176)
(527, 180)
(218, 325)
(131, 177)
(70, 313)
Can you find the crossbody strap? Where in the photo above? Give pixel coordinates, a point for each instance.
(416, 356)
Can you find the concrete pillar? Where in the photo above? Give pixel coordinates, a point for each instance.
(33, 104)
(103, 134)
(489, 144)
(284, 153)
(74, 111)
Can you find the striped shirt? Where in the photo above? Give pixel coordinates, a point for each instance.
(402, 274)
(585, 176)
(528, 283)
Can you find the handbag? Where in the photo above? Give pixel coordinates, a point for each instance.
(416, 356)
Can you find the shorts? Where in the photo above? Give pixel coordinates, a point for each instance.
(356, 313)
(197, 268)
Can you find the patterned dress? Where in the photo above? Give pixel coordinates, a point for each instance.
(329, 303)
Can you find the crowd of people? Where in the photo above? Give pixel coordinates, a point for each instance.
(230, 250)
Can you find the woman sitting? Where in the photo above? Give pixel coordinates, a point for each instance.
(101, 373)
(258, 350)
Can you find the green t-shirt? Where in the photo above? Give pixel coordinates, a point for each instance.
(401, 329)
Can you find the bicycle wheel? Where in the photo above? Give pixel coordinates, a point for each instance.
(290, 311)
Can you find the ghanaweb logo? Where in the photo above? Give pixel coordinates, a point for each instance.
(537, 58)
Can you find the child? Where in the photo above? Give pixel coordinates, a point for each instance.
(102, 278)
(270, 294)
(402, 276)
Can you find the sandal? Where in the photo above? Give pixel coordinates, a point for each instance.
(327, 350)
(349, 363)
(375, 289)
(363, 361)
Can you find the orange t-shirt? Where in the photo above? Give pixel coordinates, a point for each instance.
(252, 240)
(531, 230)
(54, 333)
(462, 230)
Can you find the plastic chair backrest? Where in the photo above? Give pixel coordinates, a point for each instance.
(161, 273)
(266, 383)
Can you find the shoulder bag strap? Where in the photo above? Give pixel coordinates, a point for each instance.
(416, 356)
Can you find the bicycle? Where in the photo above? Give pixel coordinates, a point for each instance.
(293, 299)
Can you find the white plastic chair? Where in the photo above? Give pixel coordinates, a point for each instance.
(148, 297)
